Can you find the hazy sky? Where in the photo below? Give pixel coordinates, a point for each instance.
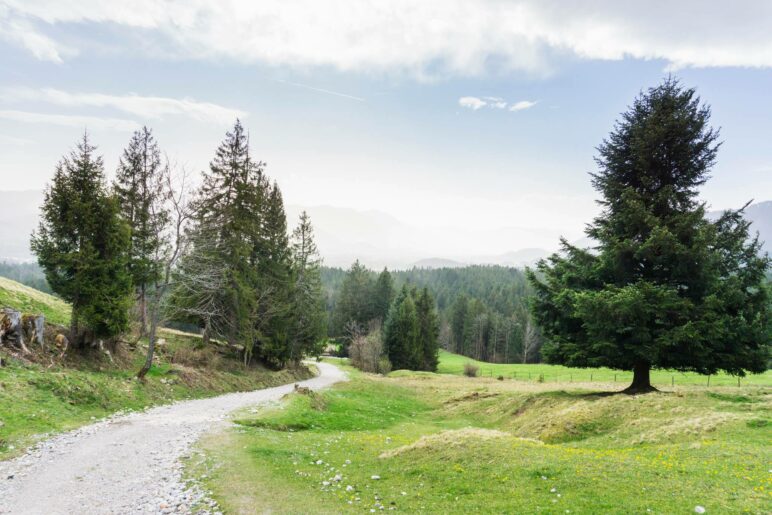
(441, 113)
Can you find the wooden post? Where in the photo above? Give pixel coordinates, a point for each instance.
(615, 378)
(672, 380)
(708, 380)
(590, 376)
(738, 381)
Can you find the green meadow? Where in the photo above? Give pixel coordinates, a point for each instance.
(440, 443)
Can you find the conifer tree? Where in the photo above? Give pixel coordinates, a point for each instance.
(307, 308)
(665, 288)
(401, 332)
(355, 301)
(383, 294)
(428, 331)
(228, 231)
(139, 189)
(82, 245)
(274, 267)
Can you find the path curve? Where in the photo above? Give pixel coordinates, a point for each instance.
(128, 464)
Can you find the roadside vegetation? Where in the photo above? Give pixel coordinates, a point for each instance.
(430, 443)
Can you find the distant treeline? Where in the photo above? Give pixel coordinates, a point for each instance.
(483, 310)
(29, 274)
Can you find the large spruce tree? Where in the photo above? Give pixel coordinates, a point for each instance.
(82, 245)
(665, 287)
(225, 244)
(307, 316)
(236, 278)
(274, 281)
(139, 188)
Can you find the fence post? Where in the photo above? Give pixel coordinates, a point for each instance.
(570, 378)
(590, 376)
(672, 380)
(708, 380)
(738, 381)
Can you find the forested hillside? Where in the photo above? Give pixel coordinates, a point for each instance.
(482, 309)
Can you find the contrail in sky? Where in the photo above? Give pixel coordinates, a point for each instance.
(320, 90)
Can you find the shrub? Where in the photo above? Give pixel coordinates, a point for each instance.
(366, 352)
(471, 370)
(500, 378)
(384, 365)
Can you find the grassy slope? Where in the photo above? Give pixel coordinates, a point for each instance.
(665, 452)
(454, 364)
(30, 300)
(36, 399)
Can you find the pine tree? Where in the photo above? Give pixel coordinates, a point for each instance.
(383, 294)
(428, 331)
(138, 187)
(274, 267)
(218, 280)
(457, 322)
(82, 245)
(666, 288)
(307, 304)
(401, 333)
(355, 301)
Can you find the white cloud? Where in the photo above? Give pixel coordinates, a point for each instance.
(522, 105)
(21, 33)
(146, 107)
(473, 103)
(87, 122)
(476, 103)
(423, 38)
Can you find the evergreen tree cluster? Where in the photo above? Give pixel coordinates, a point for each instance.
(411, 331)
(483, 310)
(362, 297)
(241, 278)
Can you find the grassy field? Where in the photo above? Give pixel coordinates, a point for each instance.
(454, 364)
(40, 395)
(429, 443)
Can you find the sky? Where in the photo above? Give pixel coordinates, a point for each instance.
(474, 123)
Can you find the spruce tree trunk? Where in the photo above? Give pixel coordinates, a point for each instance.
(641, 379)
(142, 311)
(74, 337)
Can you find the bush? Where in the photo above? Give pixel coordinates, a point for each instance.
(471, 370)
(500, 378)
(366, 352)
(384, 365)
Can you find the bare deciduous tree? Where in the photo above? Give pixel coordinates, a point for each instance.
(172, 243)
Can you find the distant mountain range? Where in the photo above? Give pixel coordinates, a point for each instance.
(376, 238)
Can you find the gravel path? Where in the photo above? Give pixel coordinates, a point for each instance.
(127, 464)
